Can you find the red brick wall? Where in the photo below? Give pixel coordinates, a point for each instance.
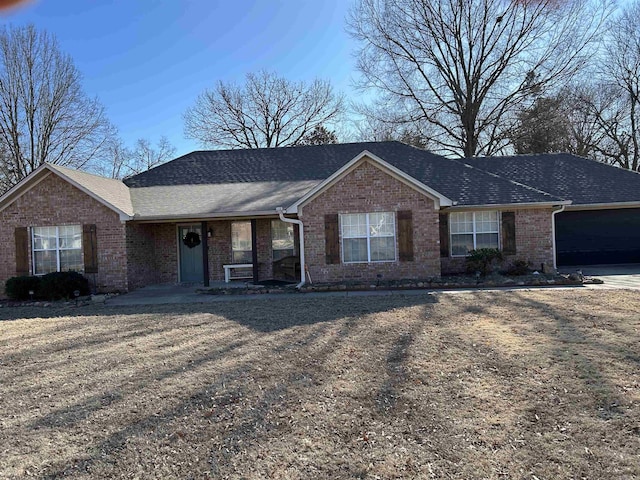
(533, 241)
(55, 202)
(364, 190)
(153, 253)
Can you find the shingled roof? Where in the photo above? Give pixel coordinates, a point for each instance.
(260, 180)
(584, 181)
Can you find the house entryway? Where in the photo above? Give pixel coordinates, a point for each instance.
(190, 246)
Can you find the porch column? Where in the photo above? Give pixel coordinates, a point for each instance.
(205, 253)
(254, 249)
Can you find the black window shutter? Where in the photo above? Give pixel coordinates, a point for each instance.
(444, 235)
(22, 251)
(331, 239)
(509, 233)
(90, 248)
(405, 235)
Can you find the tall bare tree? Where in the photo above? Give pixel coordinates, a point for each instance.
(463, 66)
(125, 161)
(267, 111)
(616, 105)
(44, 114)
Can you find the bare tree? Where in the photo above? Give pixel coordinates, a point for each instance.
(124, 161)
(44, 114)
(267, 111)
(615, 104)
(463, 66)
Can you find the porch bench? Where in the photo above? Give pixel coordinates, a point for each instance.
(229, 271)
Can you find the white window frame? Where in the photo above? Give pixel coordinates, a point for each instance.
(57, 248)
(474, 232)
(368, 237)
(233, 250)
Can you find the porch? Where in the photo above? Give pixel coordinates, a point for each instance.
(216, 250)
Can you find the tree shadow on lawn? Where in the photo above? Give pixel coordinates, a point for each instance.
(248, 415)
(263, 315)
(571, 347)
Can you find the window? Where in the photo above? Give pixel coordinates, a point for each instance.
(282, 242)
(57, 249)
(368, 237)
(473, 230)
(241, 242)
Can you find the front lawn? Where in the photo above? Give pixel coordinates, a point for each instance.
(538, 384)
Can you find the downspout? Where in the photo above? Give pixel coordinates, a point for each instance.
(553, 234)
(303, 274)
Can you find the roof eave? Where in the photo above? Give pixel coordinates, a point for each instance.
(486, 206)
(204, 216)
(604, 205)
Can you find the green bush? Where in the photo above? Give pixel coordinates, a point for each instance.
(17, 288)
(518, 267)
(483, 260)
(57, 285)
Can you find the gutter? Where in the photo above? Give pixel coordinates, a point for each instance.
(553, 234)
(303, 274)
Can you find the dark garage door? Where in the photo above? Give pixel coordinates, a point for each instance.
(598, 236)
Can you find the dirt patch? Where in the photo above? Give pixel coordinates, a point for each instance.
(520, 384)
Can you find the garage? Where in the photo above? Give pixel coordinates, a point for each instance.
(591, 237)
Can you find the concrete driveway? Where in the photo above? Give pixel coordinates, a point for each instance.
(613, 276)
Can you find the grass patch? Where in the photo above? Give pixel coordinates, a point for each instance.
(518, 384)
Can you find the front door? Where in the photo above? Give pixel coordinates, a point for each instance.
(190, 240)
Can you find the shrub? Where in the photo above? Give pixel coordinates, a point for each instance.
(57, 285)
(482, 260)
(518, 267)
(17, 288)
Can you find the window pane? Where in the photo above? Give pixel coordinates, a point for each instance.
(355, 249)
(383, 248)
(461, 244)
(44, 238)
(281, 236)
(487, 240)
(242, 256)
(241, 241)
(71, 260)
(487, 222)
(381, 224)
(461, 222)
(45, 262)
(354, 224)
(70, 236)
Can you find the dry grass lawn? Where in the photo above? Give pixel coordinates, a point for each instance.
(538, 384)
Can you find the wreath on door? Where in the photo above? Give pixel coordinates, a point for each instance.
(191, 239)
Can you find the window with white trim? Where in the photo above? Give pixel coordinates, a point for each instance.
(241, 251)
(473, 230)
(57, 249)
(282, 243)
(368, 237)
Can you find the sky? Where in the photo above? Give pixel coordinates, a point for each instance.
(147, 60)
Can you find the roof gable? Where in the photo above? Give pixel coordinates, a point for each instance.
(111, 193)
(366, 156)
